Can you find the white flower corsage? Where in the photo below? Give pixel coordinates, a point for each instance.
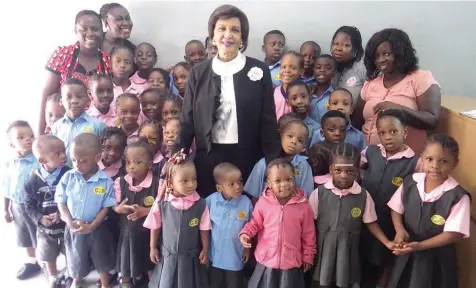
(255, 74)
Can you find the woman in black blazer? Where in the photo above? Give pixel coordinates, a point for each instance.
(228, 105)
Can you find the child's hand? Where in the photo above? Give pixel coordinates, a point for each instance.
(401, 237)
(407, 248)
(84, 228)
(8, 216)
(391, 245)
(138, 212)
(154, 255)
(245, 240)
(47, 220)
(123, 208)
(74, 225)
(246, 255)
(203, 257)
(55, 217)
(306, 267)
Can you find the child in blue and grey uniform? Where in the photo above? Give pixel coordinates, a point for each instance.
(39, 200)
(84, 196)
(309, 51)
(230, 210)
(16, 171)
(273, 48)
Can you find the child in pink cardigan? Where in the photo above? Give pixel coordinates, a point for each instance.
(283, 220)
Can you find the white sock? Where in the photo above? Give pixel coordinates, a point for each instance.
(32, 260)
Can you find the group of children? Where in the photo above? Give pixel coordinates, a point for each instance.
(128, 206)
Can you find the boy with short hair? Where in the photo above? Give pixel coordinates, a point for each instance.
(324, 70)
(194, 54)
(273, 48)
(16, 173)
(53, 111)
(310, 51)
(84, 196)
(41, 207)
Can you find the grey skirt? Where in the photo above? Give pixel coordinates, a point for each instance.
(264, 277)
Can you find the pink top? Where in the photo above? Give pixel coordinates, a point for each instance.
(369, 215)
(154, 219)
(404, 93)
(108, 118)
(459, 218)
(133, 88)
(157, 157)
(112, 170)
(322, 179)
(139, 81)
(407, 153)
(280, 103)
(128, 178)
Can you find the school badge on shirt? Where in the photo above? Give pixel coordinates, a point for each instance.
(148, 201)
(193, 222)
(100, 190)
(351, 81)
(397, 181)
(277, 77)
(88, 129)
(241, 215)
(117, 122)
(438, 220)
(356, 212)
(297, 172)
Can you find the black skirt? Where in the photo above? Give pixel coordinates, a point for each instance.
(265, 277)
(133, 251)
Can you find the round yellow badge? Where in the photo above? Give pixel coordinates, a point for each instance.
(277, 77)
(148, 201)
(241, 215)
(99, 190)
(88, 129)
(397, 181)
(193, 222)
(117, 122)
(438, 220)
(355, 212)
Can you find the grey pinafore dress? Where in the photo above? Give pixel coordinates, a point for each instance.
(381, 180)
(133, 258)
(339, 224)
(435, 268)
(179, 266)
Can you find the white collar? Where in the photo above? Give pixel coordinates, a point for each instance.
(228, 68)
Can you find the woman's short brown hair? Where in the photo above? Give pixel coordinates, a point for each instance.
(227, 12)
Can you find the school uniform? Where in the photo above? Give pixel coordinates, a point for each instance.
(173, 88)
(158, 164)
(339, 214)
(228, 217)
(275, 75)
(133, 248)
(282, 106)
(109, 118)
(180, 220)
(134, 88)
(381, 179)
(352, 136)
(310, 82)
(16, 172)
(115, 170)
(321, 179)
(40, 200)
(314, 129)
(85, 199)
(256, 183)
(138, 81)
(67, 129)
(426, 215)
(319, 104)
(351, 78)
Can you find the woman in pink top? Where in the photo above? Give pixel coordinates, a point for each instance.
(395, 82)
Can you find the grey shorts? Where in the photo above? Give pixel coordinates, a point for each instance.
(49, 246)
(86, 250)
(24, 225)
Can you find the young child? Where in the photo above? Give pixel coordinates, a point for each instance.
(385, 166)
(145, 57)
(430, 212)
(291, 69)
(151, 134)
(340, 206)
(212, 49)
(287, 238)
(229, 212)
(171, 133)
(135, 194)
(84, 196)
(128, 111)
(320, 159)
(180, 77)
(273, 48)
(53, 111)
(194, 54)
(309, 50)
(113, 142)
(324, 70)
(299, 100)
(159, 78)
(182, 220)
(39, 200)
(152, 103)
(122, 62)
(341, 100)
(74, 97)
(172, 107)
(16, 171)
(294, 135)
(333, 127)
(101, 88)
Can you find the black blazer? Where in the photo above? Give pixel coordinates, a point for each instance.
(255, 109)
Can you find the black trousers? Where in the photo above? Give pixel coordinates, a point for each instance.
(244, 159)
(220, 278)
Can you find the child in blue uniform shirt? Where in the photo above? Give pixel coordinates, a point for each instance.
(294, 135)
(309, 51)
(84, 196)
(273, 48)
(16, 171)
(74, 97)
(333, 127)
(230, 210)
(324, 70)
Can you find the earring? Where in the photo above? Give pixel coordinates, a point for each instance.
(241, 45)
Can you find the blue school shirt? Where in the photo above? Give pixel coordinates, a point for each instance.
(256, 183)
(352, 136)
(16, 172)
(319, 105)
(311, 81)
(228, 217)
(66, 129)
(85, 199)
(275, 76)
(49, 177)
(173, 88)
(313, 127)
